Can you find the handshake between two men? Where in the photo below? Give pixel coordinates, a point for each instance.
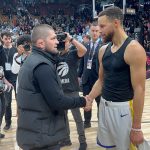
(89, 102)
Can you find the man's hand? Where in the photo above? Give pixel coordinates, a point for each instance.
(136, 137)
(20, 49)
(89, 102)
(69, 37)
(8, 85)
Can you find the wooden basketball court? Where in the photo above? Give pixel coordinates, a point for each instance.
(9, 143)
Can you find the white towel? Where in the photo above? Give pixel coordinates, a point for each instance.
(144, 146)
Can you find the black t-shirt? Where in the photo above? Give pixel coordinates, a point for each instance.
(67, 70)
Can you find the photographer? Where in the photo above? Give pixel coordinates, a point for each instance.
(24, 49)
(5, 86)
(70, 52)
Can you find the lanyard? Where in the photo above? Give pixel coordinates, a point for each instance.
(92, 52)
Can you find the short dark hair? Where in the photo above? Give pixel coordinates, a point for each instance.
(112, 13)
(23, 39)
(6, 33)
(40, 32)
(94, 23)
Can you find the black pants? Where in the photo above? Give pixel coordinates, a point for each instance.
(8, 100)
(79, 125)
(2, 107)
(78, 120)
(87, 115)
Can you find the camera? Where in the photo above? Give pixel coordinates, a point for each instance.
(1, 72)
(27, 47)
(61, 38)
(3, 87)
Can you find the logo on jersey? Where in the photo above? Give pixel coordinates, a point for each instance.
(62, 69)
(123, 115)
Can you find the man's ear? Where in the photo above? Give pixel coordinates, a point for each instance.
(40, 43)
(116, 22)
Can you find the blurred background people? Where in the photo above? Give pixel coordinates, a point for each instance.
(89, 67)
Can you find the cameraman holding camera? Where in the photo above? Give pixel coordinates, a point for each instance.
(70, 51)
(5, 86)
(24, 49)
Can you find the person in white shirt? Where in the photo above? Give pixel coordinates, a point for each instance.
(24, 49)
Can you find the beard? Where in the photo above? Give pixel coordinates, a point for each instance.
(53, 51)
(108, 38)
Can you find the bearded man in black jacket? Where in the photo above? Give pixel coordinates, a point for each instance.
(40, 98)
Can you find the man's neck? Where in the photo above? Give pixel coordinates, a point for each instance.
(9, 46)
(94, 40)
(119, 38)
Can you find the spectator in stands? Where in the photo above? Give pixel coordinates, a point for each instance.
(147, 43)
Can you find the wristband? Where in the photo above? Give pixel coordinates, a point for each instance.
(136, 130)
(71, 40)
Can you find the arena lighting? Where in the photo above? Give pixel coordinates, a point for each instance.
(130, 11)
(142, 5)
